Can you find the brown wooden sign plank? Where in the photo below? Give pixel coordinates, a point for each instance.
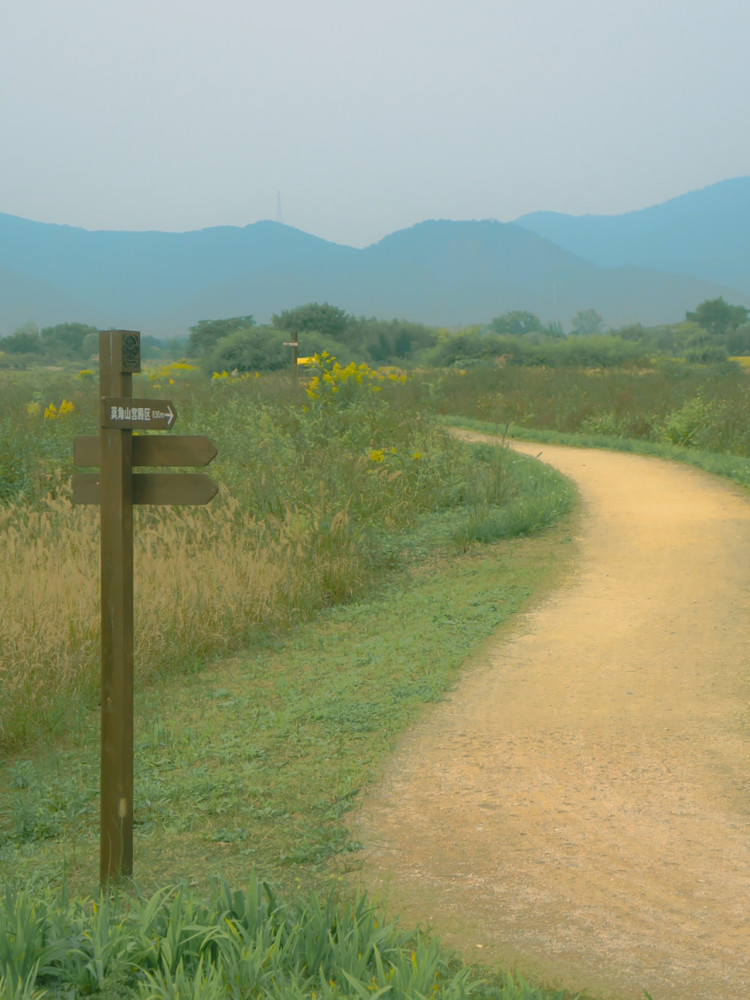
(173, 488)
(128, 413)
(157, 488)
(87, 450)
(194, 450)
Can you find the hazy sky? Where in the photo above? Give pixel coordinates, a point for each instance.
(364, 117)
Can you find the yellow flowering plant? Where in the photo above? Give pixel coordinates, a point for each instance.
(170, 373)
(53, 413)
(233, 376)
(330, 378)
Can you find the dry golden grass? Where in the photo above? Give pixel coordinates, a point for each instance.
(49, 626)
(206, 581)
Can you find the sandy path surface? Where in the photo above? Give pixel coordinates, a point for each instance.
(580, 805)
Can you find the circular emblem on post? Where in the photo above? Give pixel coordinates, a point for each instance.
(131, 353)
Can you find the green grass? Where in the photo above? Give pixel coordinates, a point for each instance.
(733, 467)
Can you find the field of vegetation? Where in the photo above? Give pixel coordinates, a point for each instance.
(285, 636)
(695, 408)
(324, 487)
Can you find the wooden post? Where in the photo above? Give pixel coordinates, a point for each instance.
(294, 344)
(119, 358)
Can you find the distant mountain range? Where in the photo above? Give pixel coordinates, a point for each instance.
(705, 234)
(648, 266)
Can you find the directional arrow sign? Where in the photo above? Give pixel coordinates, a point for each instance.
(125, 413)
(159, 488)
(174, 450)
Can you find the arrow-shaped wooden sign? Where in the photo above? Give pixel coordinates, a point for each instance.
(161, 488)
(158, 488)
(127, 413)
(194, 450)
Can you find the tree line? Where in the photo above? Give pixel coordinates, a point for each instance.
(240, 344)
(711, 333)
(65, 342)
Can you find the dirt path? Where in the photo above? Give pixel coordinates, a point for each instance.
(581, 803)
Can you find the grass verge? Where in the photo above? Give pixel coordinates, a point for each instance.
(734, 467)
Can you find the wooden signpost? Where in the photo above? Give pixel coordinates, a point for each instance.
(115, 487)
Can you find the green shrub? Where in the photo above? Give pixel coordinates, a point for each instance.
(255, 349)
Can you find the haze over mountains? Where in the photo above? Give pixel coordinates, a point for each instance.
(647, 266)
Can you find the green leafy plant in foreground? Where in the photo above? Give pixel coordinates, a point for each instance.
(236, 944)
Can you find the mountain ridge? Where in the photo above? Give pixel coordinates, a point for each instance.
(441, 272)
(703, 233)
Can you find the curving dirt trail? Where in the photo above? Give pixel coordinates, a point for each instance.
(580, 805)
